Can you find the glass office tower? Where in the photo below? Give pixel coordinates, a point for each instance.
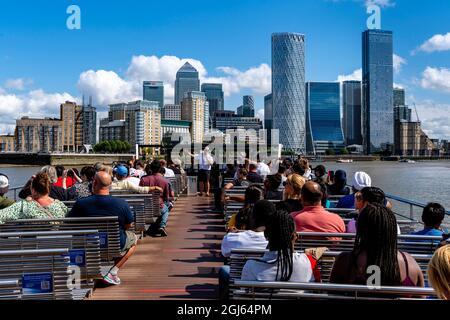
(377, 91)
(154, 91)
(186, 81)
(351, 120)
(214, 95)
(288, 90)
(323, 120)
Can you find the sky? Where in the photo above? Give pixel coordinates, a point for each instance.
(122, 43)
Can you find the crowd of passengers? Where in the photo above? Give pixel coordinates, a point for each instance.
(301, 195)
(44, 194)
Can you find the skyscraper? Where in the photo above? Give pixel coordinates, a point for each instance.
(194, 108)
(268, 115)
(89, 125)
(214, 95)
(377, 91)
(288, 89)
(186, 81)
(351, 121)
(323, 120)
(154, 91)
(399, 97)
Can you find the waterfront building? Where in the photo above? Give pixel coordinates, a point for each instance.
(288, 90)
(89, 115)
(187, 80)
(38, 135)
(138, 122)
(226, 119)
(71, 116)
(171, 112)
(411, 140)
(323, 120)
(377, 91)
(351, 105)
(195, 108)
(7, 143)
(214, 95)
(168, 127)
(112, 130)
(154, 91)
(402, 112)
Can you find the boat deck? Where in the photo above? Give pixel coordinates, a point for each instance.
(183, 265)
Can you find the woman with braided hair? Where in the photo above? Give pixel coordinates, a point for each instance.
(376, 245)
(281, 262)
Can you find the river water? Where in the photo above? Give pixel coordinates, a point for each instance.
(421, 181)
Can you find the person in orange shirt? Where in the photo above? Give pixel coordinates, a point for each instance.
(314, 218)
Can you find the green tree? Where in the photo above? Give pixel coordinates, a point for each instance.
(344, 151)
(127, 146)
(107, 147)
(330, 152)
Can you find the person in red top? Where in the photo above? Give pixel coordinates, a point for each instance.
(314, 218)
(155, 179)
(60, 170)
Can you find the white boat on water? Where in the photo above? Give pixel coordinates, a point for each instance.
(407, 161)
(344, 161)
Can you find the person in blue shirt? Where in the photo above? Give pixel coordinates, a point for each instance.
(432, 216)
(361, 180)
(101, 204)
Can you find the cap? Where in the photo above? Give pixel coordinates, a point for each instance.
(361, 180)
(121, 171)
(340, 175)
(320, 168)
(4, 182)
(133, 172)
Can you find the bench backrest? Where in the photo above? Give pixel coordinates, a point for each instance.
(83, 245)
(43, 274)
(10, 289)
(151, 208)
(251, 290)
(408, 243)
(107, 227)
(239, 257)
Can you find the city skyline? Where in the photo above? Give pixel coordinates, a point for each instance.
(35, 82)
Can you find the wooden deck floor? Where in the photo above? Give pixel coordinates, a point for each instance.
(182, 266)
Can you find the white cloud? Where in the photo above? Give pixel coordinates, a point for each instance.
(435, 118)
(438, 42)
(260, 113)
(18, 84)
(36, 103)
(398, 63)
(108, 87)
(356, 75)
(436, 79)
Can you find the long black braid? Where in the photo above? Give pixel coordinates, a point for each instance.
(280, 231)
(377, 236)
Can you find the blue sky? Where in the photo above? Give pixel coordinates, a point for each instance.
(123, 42)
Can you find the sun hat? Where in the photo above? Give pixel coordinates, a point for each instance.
(361, 180)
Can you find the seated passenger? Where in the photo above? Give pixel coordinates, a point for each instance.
(84, 188)
(339, 184)
(439, 272)
(123, 183)
(314, 218)
(292, 194)
(361, 180)
(103, 204)
(271, 188)
(320, 174)
(4, 188)
(240, 220)
(37, 206)
(58, 193)
(376, 245)
(432, 216)
(253, 175)
(281, 262)
(253, 237)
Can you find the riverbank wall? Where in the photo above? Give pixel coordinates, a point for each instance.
(65, 159)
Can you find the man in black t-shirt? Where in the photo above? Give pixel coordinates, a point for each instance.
(101, 204)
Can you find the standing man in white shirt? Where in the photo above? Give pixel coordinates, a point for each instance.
(169, 172)
(205, 161)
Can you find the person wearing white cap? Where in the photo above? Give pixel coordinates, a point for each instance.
(4, 187)
(361, 180)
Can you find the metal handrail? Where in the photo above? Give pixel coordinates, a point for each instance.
(412, 203)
